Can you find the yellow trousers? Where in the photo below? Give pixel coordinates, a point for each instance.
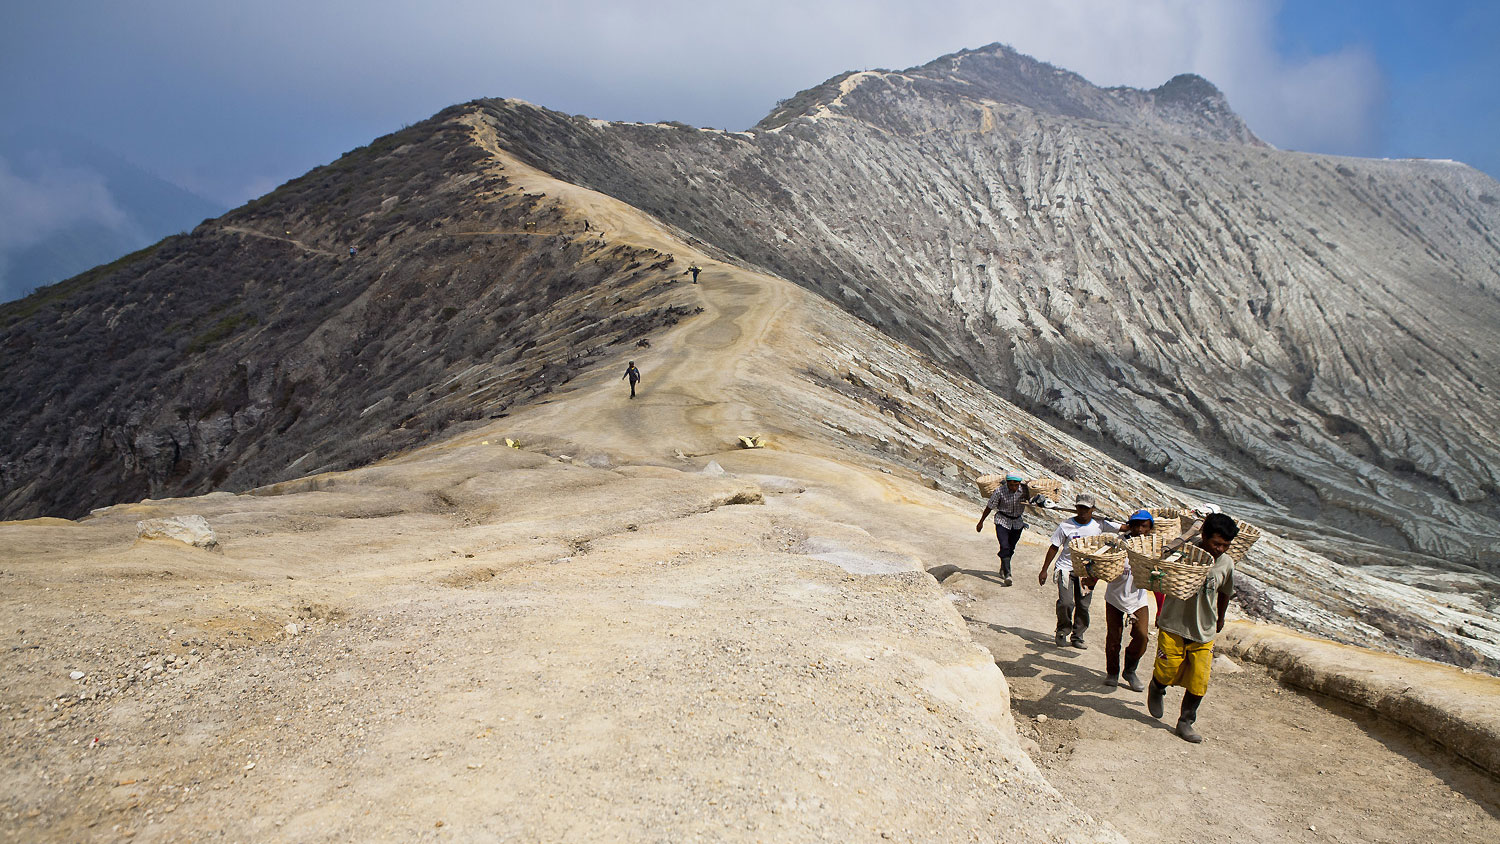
(1182, 663)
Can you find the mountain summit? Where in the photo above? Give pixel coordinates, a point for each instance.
(1187, 105)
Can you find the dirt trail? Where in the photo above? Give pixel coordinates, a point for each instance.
(284, 239)
(1277, 765)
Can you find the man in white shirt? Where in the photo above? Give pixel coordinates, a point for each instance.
(1125, 606)
(1072, 596)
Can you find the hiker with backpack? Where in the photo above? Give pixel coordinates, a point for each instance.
(634, 375)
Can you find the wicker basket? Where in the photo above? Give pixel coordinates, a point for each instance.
(1100, 556)
(1185, 519)
(988, 484)
(1168, 526)
(1180, 575)
(1243, 540)
(1169, 517)
(1046, 487)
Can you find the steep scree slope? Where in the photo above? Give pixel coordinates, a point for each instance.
(1308, 337)
(256, 349)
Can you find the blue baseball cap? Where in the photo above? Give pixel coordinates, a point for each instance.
(1142, 516)
(1012, 476)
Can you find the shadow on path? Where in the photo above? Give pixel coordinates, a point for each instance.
(1074, 683)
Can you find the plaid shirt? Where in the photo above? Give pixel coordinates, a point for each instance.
(1009, 506)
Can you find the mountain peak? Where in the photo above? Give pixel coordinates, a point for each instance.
(1189, 89)
(1187, 105)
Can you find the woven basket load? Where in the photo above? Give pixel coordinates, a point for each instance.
(1045, 487)
(1243, 540)
(1167, 524)
(988, 484)
(1169, 516)
(1180, 575)
(1100, 556)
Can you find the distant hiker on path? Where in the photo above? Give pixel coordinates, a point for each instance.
(1009, 504)
(1185, 641)
(634, 375)
(695, 269)
(1072, 596)
(353, 250)
(1125, 604)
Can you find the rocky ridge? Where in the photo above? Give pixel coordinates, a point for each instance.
(257, 349)
(1304, 336)
(629, 626)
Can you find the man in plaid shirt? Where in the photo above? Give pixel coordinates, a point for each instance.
(1009, 505)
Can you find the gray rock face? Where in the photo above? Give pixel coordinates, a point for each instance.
(1308, 338)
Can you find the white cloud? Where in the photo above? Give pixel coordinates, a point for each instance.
(43, 199)
(51, 197)
(233, 80)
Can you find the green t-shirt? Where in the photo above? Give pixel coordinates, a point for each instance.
(1197, 619)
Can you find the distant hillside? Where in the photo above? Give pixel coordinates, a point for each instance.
(1308, 337)
(256, 349)
(114, 208)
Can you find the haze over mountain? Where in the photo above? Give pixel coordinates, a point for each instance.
(67, 205)
(1303, 338)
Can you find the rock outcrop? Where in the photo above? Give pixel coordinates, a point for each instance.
(190, 530)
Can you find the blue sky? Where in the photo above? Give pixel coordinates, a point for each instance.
(230, 100)
(1439, 65)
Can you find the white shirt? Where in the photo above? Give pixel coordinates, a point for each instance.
(1071, 530)
(1123, 596)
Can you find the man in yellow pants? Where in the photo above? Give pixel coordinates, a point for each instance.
(1185, 640)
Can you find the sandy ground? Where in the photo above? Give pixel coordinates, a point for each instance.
(629, 629)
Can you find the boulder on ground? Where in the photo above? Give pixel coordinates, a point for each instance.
(189, 530)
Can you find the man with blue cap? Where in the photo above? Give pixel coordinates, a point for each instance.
(1125, 604)
(1009, 505)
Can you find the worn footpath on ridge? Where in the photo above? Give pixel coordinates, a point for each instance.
(627, 629)
(586, 638)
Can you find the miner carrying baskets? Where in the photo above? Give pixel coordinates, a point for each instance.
(1125, 603)
(1191, 616)
(1008, 501)
(1073, 593)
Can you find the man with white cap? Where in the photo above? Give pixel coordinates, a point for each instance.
(1009, 504)
(1073, 596)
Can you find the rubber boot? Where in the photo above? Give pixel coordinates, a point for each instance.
(1132, 681)
(1155, 697)
(1189, 714)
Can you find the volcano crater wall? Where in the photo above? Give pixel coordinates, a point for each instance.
(1305, 338)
